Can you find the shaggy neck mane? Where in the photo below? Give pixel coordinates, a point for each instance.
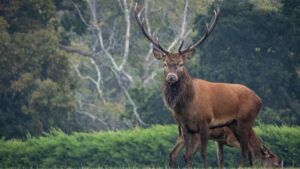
(180, 93)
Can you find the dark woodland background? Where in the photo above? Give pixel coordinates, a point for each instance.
(71, 68)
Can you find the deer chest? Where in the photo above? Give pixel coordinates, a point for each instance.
(189, 124)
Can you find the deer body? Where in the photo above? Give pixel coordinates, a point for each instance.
(198, 105)
(213, 103)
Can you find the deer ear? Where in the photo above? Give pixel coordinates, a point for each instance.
(265, 151)
(158, 54)
(188, 55)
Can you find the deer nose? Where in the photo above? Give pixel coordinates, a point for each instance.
(171, 78)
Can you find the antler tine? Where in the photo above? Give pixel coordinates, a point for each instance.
(141, 26)
(181, 45)
(208, 30)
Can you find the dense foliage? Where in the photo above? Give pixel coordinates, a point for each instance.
(36, 80)
(136, 147)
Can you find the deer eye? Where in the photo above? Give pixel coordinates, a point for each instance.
(180, 64)
(165, 65)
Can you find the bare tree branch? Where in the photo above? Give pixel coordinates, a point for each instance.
(120, 4)
(94, 118)
(183, 26)
(149, 78)
(80, 14)
(76, 51)
(128, 96)
(146, 7)
(127, 35)
(97, 82)
(117, 69)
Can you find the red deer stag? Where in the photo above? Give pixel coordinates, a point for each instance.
(198, 105)
(224, 136)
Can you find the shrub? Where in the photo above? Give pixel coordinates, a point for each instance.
(136, 147)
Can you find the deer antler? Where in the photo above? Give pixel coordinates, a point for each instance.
(141, 26)
(208, 30)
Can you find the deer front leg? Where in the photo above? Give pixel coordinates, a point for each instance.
(220, 154)
(195, 141)
(175, 150)
(250, 155)
(188, 139)
(204, 131)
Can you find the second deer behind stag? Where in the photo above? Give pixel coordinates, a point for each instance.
(224, 136)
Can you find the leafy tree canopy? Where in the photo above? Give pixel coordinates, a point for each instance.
(36, 82)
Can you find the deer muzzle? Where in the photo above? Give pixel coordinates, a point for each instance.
(171, 78)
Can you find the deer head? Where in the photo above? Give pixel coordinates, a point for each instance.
(174, 62)
(269, 159)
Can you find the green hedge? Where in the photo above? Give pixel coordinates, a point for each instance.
(136, 147)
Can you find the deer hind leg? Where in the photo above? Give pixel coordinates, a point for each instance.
(175, 151)
(250, 154)
(220, 154)
(242, 132)
(204, 132)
